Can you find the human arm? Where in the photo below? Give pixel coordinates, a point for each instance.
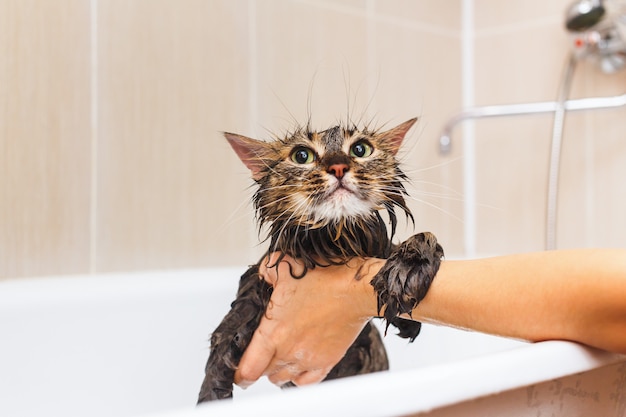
(577, 295)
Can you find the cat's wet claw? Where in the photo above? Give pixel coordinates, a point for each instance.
(405, 278)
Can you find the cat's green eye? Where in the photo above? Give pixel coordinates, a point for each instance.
(302, 155)
(361, 149)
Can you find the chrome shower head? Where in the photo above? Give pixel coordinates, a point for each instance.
(597, 31)
(584, 14)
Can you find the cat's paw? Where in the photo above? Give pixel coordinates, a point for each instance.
(405, 278)
(407, 329)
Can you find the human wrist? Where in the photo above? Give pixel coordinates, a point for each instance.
(367, 295)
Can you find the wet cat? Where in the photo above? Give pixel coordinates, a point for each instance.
(320, 194)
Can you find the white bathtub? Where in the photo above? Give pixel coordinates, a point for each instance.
(136, 344)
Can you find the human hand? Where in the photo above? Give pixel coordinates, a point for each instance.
(310, 322)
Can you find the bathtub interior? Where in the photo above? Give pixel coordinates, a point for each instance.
(134, 344)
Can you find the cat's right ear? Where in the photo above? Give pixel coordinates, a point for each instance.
(396, 135)
(252, 152)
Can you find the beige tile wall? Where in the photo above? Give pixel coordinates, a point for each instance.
(151, 83)
(521, 49)
(44, 137)
(172, 75)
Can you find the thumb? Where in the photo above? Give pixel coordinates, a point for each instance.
(279, 264)
(254, 361)
(268, 268)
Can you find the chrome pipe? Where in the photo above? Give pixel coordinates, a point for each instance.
(554, 168)
(593, 103)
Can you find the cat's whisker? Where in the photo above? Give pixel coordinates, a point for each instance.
(284, 186)
(294, 119)
(436, 207)
(453, 195)
(399, 192)
(294, 208)
(236, 215)
(438, 195)
(412, 171)
(273, 202)
(459, 200)
(414, 184)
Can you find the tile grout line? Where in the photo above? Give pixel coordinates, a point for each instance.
(389, 19)
(372, 82)
(469, 150)
(93, 85)
(511, 28)
(589, 168)
(253, 66)
(253, 88)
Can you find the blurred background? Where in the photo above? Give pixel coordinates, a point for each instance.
(111, 113)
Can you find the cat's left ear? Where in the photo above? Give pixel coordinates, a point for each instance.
(253, 153)
(396, 135)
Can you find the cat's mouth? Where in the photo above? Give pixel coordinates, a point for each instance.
(341, 193)
(341, 189)
(345, 194)
(342, 199)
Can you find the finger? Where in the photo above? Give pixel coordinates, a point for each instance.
(280, 378)
(311, 377)
(295, 266)
(254, 361)
(268, 268)
(283, 374)
(278, 264)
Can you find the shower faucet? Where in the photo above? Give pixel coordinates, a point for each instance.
(584, 14)
(597, 31)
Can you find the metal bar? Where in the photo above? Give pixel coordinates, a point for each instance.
(594, 103)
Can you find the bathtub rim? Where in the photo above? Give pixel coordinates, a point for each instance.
(413, 391)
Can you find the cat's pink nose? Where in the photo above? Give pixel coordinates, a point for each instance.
(338, 170)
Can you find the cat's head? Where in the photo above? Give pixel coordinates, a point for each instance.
(314, 179)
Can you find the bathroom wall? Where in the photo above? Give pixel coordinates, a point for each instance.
(520, 55)
(111, 156)
(45, 137)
